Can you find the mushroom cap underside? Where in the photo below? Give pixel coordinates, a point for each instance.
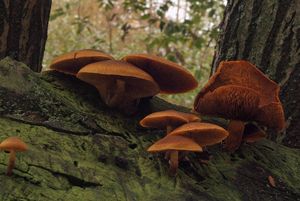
(242, 73)
(72, 62)
(203, 133)
(168, 117)
(171, 77)
(252, 133)
(240, 103)
(13, 143)
(175, 143)
(138, 83)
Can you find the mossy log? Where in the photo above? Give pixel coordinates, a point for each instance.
(81, 150)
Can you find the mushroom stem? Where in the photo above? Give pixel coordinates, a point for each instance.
(235, 130)
(173, 162)
(11, 162)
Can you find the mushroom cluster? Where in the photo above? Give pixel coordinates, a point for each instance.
(238, 91)
(121, 83)
(12, 145)
(185, 133)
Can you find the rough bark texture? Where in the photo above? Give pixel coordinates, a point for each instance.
(267, 33)
(23, 30)
(81, 150)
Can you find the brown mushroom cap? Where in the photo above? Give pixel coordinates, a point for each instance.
(103, 76)
(231, 102)
(72, 62)
(171, 77)
(168, 117)
(245, 75)
(13, 143)
(175, 143)
(203, 133)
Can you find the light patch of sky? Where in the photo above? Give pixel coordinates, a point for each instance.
(179, 9)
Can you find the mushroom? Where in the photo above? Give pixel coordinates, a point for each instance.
(72, 62)
(204, 134)
(13, 145)
(119, 83)
(174, 144)
(240, 92)
(171, 77)
(252, 133)
(168, 119)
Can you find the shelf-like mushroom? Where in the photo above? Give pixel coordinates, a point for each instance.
(174, 144)
(240, 92)
(72, 62)
(12, 145)
(171, 77)
(119, 83)
(168, 119)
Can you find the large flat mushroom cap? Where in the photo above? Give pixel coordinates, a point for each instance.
(203, 133)
(138, 83)
(168, 117)
(13, 143)
(176, 143)
(171, 77)
(72, 62)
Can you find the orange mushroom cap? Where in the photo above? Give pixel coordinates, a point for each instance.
(103, 75)
(231, 102)
(13, 143)
(234, 83)
(203, 133)
(175, 143)
(171, 77)
(168, 117)
(72, 62)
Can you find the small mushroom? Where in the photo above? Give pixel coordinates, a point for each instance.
(13, 145)
(240, 92)
(72, 62)
(174, 144)
(171, 77)
(205, 134)
(119, 83)
(168, 119)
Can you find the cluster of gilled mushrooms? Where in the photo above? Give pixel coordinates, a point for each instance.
(122, 83)
(12, 145)
(238, 91)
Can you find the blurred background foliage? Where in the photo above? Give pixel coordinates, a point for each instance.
(184, 31)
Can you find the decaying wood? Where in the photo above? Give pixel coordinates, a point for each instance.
(81, 150)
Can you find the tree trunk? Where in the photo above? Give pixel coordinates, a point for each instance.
(81, 150)
(267, 33)
(23, 30)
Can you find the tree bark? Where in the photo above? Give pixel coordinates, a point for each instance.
(267, 33)
(81, 150)
(23, 30)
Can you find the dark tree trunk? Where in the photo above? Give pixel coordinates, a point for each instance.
(23, 30)
(267, 33)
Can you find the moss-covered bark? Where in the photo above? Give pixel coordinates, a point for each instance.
(267, 33)
(81, 150)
